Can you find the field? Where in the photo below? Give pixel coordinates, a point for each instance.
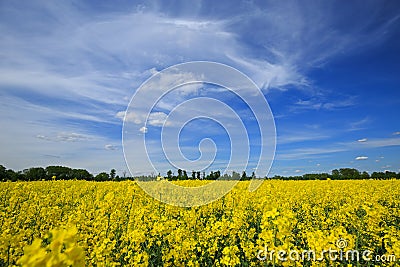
(283, 223)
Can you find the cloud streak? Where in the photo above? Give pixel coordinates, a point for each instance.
(310, 151)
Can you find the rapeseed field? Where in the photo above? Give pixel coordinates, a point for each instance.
(282, 223)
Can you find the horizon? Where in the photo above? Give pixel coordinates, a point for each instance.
(175, 172)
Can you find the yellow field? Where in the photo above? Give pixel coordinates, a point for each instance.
(80, 223)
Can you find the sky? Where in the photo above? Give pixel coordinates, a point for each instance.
(329, 71)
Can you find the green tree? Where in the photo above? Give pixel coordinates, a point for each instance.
(112, 174)
(323, 176)
(310, 176)
(226, 176)
(14, 176)
(364, 175)
(61, 172)
(349, 173)
(244, 176)
(169, 174)
(35, 174)
(81, 174)
(103, 176)
(3, 173)
(335, 174)
(235, 175)
(389, 175)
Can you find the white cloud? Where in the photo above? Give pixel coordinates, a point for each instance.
(345, 102)
(120, 115)
(308, 152)
(143, 129)
(396, 133)
(320, 102)
(266, 74)
(382, 142)
(110, 147)
(157, 119)
(64, 137)
(360, 124)
(130, 117)
(362, 140)
(361, 158)
(299, 136)
(309, 104)
(153, 119)
(43, 137)
(71, 137)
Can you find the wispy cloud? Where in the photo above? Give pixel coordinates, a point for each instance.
(313, 150)
(359, 124)
(301, 136)
(65, 137)
(110, 147)
(308, 152)
(382, 142)
(143, 129)
(322, 102)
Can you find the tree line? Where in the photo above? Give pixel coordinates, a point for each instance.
(54, 173)
(342, 174)
(336, 174)
(213, 175)
(67, 173)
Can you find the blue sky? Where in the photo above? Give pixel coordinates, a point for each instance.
(328, 69)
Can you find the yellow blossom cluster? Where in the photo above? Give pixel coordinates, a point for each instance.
(81, 223)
